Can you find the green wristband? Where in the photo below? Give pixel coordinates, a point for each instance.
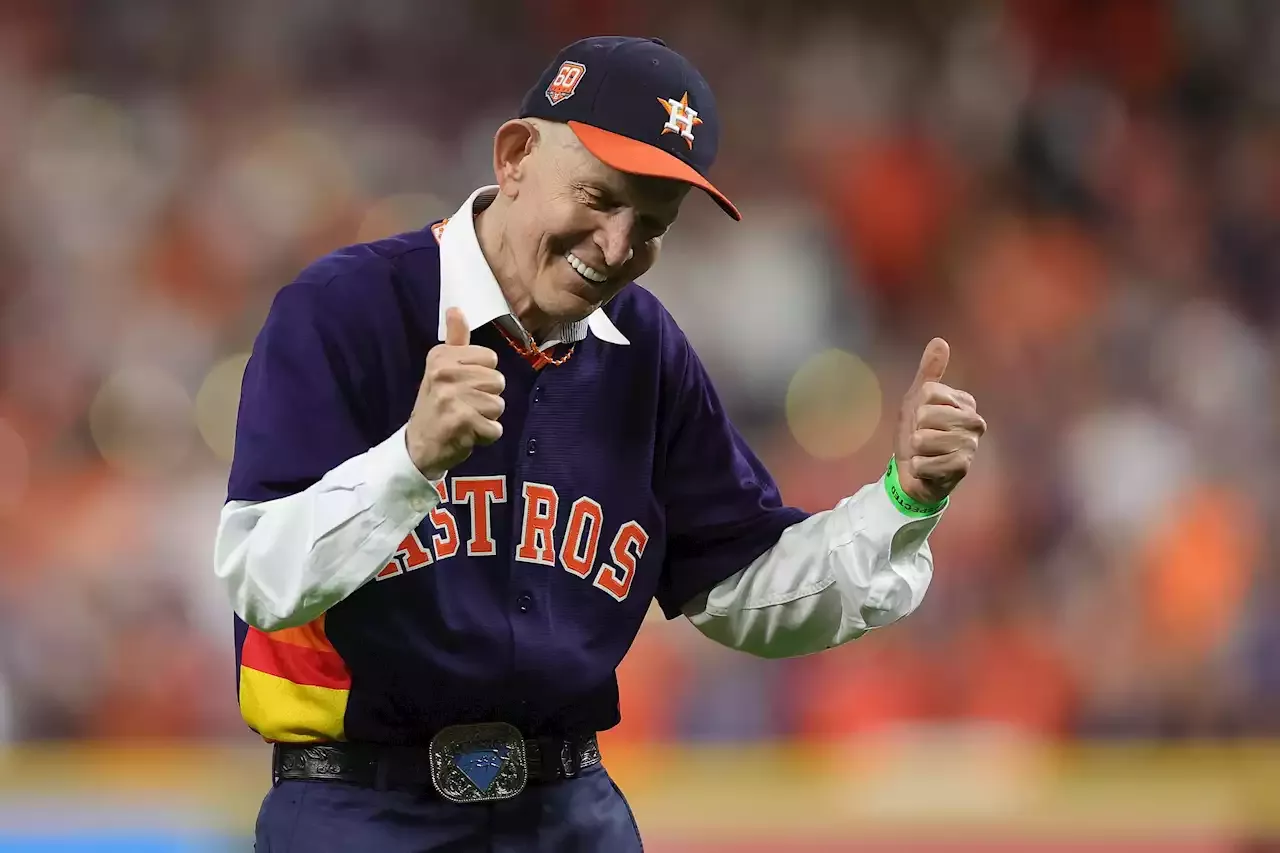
(906, 504)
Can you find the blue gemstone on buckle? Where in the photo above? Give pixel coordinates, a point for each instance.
(478, 762)
(482, 766)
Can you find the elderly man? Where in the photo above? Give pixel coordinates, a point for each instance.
(468, 459)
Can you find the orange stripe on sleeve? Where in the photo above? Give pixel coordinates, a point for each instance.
(308, 636)
(301, 665)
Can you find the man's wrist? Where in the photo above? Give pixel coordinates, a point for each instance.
(429, 472)
(906, 504)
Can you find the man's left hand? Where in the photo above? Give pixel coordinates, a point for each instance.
(938, 430)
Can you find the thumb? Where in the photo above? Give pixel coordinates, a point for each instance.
(456, 333)
(933, 363)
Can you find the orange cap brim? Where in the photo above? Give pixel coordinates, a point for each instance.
(638, 158)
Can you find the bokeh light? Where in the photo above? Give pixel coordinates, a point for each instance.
(92, 185)
(284, 186)
(833, 404)
(217, 403)
(141, 420)
(86, 135)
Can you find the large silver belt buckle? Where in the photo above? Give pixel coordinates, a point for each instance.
(479, 763)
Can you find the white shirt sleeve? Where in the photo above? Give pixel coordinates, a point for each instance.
(829, 579)
(284, 562)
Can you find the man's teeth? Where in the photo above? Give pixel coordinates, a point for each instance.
(584, 270)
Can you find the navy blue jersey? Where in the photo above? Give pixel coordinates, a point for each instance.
(618, 479)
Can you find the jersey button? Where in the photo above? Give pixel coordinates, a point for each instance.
(537, 394)
(533, 446)
(524, 602)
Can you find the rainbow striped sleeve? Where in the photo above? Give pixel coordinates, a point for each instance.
(293, 684)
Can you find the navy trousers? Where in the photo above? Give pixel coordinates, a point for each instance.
(586, 814)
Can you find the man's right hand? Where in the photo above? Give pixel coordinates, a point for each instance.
(459, 401)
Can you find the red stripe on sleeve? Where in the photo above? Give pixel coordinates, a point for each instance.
(313, 667)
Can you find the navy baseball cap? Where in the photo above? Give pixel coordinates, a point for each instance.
(637, 105)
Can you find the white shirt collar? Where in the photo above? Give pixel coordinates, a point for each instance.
(467, 282)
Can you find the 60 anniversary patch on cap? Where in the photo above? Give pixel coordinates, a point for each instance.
(635, 104)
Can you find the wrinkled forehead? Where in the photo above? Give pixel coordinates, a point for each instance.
(641, 191)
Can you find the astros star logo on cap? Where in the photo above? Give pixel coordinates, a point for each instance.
(681, 117)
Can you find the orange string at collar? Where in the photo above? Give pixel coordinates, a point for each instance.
(532, 354)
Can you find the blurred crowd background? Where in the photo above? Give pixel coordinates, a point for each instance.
(1083, 198)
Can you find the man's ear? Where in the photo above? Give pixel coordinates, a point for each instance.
(512, 145)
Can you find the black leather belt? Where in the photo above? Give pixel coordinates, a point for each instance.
(385, 767)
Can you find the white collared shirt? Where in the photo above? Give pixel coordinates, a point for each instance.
(829, 579)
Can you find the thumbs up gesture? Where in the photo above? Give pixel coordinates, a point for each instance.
(459, 401)
(938, 430)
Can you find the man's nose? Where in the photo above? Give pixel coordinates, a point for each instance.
(614, 238)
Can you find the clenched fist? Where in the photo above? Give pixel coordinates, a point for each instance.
(459, 401)
(938, 430)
